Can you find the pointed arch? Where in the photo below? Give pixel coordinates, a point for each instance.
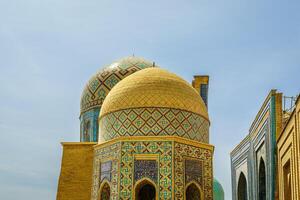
(145, 186)
(104, 191)
(242, 192)
(262, 180)
(193, 191)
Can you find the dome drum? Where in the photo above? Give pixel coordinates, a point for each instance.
(154, 121)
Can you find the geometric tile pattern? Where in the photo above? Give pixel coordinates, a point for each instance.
(154, 87)
(164, 151)
(108, 154)
(104, 80)
(184, 152)
(154, 122)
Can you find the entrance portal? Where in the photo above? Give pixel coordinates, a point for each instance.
(105, 192)
(192, 192)
(242, 187)
(145, 191)
(262, 180)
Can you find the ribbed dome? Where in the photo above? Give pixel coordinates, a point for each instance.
(154, 87)
(105, 79)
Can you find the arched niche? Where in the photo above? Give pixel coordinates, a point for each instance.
(87, 131)
(242, 187)
(104, 191)
(262, 180)
(193, 191)
(145, 189)
(287, 187)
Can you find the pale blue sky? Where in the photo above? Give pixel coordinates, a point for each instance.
(49, 49)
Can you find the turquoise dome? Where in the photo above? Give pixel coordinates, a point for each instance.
(218, 190)
(97, 89)
(106, 78)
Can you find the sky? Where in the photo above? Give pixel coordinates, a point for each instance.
(49, 49)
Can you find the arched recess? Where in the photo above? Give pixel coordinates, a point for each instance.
(86, 131)
(193, 191)
(104, 191)
(145, 189)
(242, 187)
(287, 181)
(262, 180)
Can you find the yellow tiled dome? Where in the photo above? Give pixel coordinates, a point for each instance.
(153, 87)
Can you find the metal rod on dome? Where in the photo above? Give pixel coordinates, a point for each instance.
(153, 65)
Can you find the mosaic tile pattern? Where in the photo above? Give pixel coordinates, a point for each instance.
(89, 133)
(183, 152)
(145, 168)
(163, 149)
(109, 153)
(193, 171)
(104, 80)
(190, 164)
(105, 170)
(154, 122)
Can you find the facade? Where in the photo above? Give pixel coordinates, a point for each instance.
(265, 164)
(146, 137)
(288, 147)
(253, 161)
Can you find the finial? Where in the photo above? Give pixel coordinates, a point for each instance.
(133, 55)
(153, 65)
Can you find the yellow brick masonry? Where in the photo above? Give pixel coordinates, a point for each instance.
(198, 80)
(75, 180)
(288, 145)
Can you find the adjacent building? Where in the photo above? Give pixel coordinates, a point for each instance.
(288, 145)
(253, 161)
(265, 164)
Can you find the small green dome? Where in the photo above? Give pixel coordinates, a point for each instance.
(218, 190)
